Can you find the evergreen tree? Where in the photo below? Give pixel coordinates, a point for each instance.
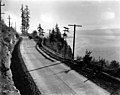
(40, 30)
(57, 43)
(52, 36)
(114, 64)
(25, 19)
(87, 58)
(64, 35)
(27, 13)
(58, 33)
(34, 33)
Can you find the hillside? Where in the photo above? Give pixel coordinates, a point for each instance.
(8, 39)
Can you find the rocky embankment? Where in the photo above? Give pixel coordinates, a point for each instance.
(6, 82)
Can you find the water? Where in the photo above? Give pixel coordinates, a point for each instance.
(105, 44)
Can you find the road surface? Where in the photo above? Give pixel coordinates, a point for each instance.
(52, 80)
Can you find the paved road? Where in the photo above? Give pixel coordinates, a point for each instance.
(53, 80)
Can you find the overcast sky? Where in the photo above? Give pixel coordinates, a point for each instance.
(91, 14)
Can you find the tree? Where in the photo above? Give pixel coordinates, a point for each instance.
(27, 13)
(4, 26)
(102, 62)
(34, 33)
(40, 30)
(87, 58)
(79, 58)
(58, 33)
(52, 36)
(114, 64)
(64, 35)
(25, 19)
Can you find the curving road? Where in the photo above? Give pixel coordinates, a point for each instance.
(53, 80)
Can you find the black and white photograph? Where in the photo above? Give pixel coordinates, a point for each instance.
(59, 47)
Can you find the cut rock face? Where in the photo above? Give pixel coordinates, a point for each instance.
(6, 83)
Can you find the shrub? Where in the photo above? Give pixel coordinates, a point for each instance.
(114, 64)
(87, 58)
(79, 58)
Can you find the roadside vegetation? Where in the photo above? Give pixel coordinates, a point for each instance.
(56, 41)
(99, 65)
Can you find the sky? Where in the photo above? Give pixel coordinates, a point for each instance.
(91, 14)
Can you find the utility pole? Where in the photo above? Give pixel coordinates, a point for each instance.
(65, 35)
(40, 30)
(66, 30)
(9, 22)
(49, 31)
(15, 26)
(74, 36)
(0, 15)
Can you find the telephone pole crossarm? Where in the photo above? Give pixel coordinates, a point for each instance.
(75, 25)
(66, 28)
